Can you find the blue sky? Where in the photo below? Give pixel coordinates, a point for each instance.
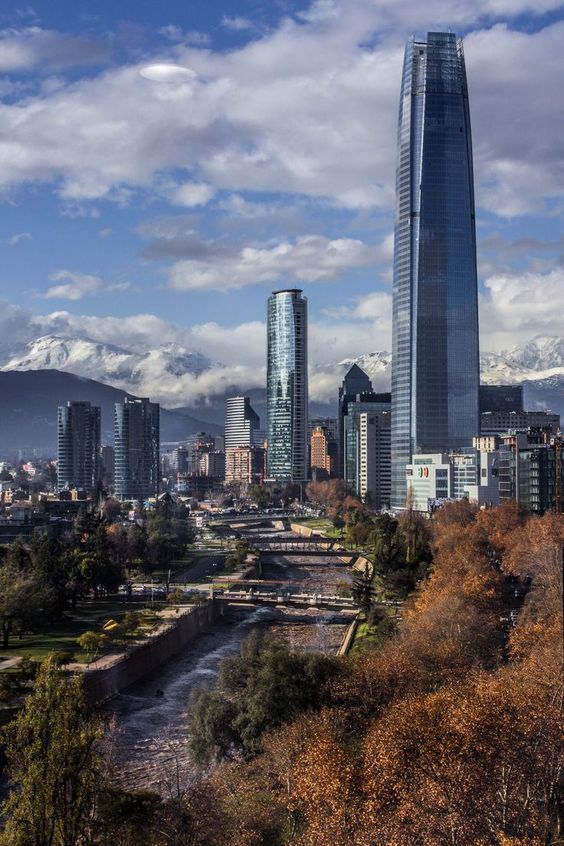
(176, 204)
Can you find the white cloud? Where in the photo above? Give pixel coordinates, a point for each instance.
(311, 258)
(308, 108)
(44, 49)
(519, 306)
(75, 286)
(237, 23)
(19, 236)
(192, 194)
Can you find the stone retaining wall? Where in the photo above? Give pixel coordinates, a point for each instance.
(147, 657)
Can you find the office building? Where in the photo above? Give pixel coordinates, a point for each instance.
(242, 423)
(136, 448)
(355, 406)
(472, 474)
(355, 382)
(78, 434)
(286, 386)
(107, 462)
(212, 464)
(322, 454)
(245, 465)
(374, 466)
(531, 470)
(435, 362)
(501, 398)
(498, 422)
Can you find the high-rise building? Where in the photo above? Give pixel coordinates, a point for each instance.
(78, 446)
(373, 474)
(367, 402)
(245, 465)
(531, 471)
(322, 454)
(242, 423)
(355, 382)
(498, 422)
(286, 386)
(136, 445)
(501, 398)
(107, 462)
(212, 464)
(435, 362)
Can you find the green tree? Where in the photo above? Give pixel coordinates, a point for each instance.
(261, 688)
(25, 603)
(363, 591)
(53, 765)
(92, 642)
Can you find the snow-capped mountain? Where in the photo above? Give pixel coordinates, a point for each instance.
(130, 370)
(177, 376)
(540, 358)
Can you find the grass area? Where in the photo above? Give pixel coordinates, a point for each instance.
(369, 638)
(63, 637)
(320, 524)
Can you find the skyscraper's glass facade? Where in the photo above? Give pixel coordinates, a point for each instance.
(79, 446)
(136, 443)
(435, 364)
(286, 386)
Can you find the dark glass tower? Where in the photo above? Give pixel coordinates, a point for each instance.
(286, 386)
(435, 363)
(79, 446)
(136, 445)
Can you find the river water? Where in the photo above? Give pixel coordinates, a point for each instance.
(149, 737)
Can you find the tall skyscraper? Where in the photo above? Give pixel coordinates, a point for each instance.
(136, 445)
(242, 423)
(286, 386)
(435, 364)
(78, 446)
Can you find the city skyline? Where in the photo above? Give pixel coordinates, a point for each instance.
(123, 242)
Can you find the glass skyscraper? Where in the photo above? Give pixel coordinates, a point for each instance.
(435, 363)
(286, 386)
(136, 445)
(79, 446)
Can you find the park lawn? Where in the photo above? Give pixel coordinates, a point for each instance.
(39, 645)
(368, 638)
(62, 637)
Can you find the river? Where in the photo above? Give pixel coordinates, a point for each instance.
(149, 737)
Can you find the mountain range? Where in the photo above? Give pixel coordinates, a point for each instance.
(39, 375)
(28, 410)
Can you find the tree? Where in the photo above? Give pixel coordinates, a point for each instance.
(363, 590)
(263, 687)
(92, 642)
(24, 602)
(53, 765)
(259, 495)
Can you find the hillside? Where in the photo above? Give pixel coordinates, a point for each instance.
(28, 409)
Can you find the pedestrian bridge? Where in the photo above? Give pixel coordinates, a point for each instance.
(263, 597)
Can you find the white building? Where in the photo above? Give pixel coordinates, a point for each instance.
(436, 478)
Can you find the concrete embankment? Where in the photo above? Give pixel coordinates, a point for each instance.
(113, 674)
(348, 639)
